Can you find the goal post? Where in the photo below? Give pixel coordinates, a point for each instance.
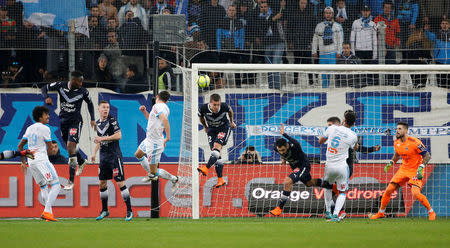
(304, 105)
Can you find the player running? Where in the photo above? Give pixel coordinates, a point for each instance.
(71, 97)
(340, 140)
(414, 157)
(351, 154)
(216, 125)
(111, 162)
(154, 142)
(301, 169)
(39, 140)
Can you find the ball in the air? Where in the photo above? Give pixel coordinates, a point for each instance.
(203, 81)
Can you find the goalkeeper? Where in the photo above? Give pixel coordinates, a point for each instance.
(293, 153)
(414, 159)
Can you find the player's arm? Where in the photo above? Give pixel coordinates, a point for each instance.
(114, 137)
(203, 122)
(366, 149)
(144, 111)
(425, 159)
(166, 125)
(90, 106)
(230, 116)
(94, 154)
(394, 160)
(46, 88)
(322, 140)
(20, 147)
(292, 140)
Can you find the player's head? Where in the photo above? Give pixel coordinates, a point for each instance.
(282, 146)
(41, 114)
(334, 120)
(103, 108)
(350, 117)
(76, 79)
(402, 129)
(163, 96)
(214, 102)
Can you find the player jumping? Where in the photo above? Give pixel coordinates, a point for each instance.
(414, 158)
(340, 140)
(292, 152)
(38, 137)
(217, 126)
(71, 97)
(154, 142)
(111, 162)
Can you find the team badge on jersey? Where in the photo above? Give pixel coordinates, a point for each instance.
(422, 148)
(221, 135)
(115, 172)
(73, 131)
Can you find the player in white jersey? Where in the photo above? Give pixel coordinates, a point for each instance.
(340, 140)
(39, 140)
(154, 142)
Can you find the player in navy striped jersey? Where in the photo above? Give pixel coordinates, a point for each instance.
(71, 97)
(213, 116)
(111, 163)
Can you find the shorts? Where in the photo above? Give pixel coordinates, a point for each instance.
(403, 176)
(301, 174)
(153, 150)
(111, 168)
(218, 135)
(43, 172)
(337, 173)
(71, 131)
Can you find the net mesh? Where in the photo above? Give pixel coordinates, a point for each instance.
(255, 181)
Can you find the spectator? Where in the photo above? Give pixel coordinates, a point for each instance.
(376, 6)
(353, 9)
(419, 48)
(441, 42)
(138, 11)
(120, 3)
(342, 17)
(434, 11)
(194, 9)
(392, 41)
(166, 78)
(249, 156)
(132, 36)
(209, 20)
(318, 6)
(159, 7)
(269, 38)
(135, 82)
(348, 80)
(15, 11)
(407, 14)
(8, 32)
(108, 11)
(102, 75)
(13, 77)
(102, 20)
(112, 25)
(327, 42)
(54, 154)
(114, 55)
(363, 37)
(97, 33)
(300, 30)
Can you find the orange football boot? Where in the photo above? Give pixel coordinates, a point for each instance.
(377, 216)
(48, 216)
(203, 170)
(432, 215)
(276, 211)
(220, 182)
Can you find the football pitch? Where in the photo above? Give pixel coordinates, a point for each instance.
(225, 232)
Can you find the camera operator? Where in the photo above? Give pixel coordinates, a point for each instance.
(249, 156)
(13, 77)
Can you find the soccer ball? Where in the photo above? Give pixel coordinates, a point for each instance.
(203, 81)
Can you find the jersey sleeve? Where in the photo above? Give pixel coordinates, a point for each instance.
(26, 135)
(90, 105)
(420, 147)
(50, 87)
(200, 112)
(158, 110)
(226, 107)
(47, 134)
(328, 131)
(114, 124)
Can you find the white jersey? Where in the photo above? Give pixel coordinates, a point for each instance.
(340, 139)
(37, 135)
(155, 127)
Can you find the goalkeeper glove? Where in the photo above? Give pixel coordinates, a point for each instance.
(388, 166)
(420, 172)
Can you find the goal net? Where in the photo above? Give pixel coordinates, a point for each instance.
(303, 97)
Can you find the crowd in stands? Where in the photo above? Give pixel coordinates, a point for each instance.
(228, 31)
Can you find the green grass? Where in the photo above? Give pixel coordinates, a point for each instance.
(224, 232)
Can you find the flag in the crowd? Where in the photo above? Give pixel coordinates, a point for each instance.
(57, 13)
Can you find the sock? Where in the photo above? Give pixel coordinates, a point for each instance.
(339, 203)
(54, 191)
(422, 199)
(213, 158)
(72, 167)
(166, 175)
(44, 194)
(219, 168)
(80, 159)
(283, 199)
(126, 197)
(386, 197)
(328, 195)
(104, 197)
(144, 163)
(9, 154)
